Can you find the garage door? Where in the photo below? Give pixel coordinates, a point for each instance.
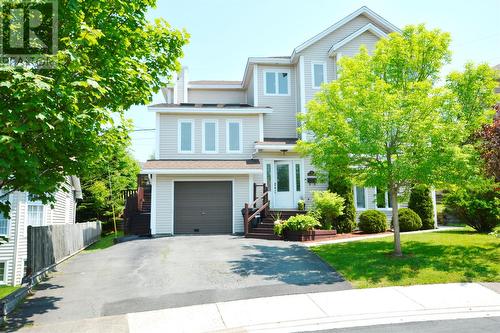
(203, 207)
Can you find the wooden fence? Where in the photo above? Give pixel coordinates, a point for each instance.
(49, 245)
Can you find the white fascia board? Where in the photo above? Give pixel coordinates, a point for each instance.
(369, 27)
(363, 10)
(270, 60)
(275, 147)
(210, 110)
(201, 171)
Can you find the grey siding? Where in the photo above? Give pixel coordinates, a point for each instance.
(319, 50)
(217, 96)
(169, 136)
(250, 92)
(165, 200)
(282, 123)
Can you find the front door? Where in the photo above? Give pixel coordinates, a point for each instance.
(283, 185)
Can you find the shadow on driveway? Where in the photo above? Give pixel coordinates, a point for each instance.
(292, 265)
(21, 317)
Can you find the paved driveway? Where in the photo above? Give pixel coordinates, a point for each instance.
(160, 273)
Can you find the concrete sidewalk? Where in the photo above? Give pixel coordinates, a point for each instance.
(305, 312)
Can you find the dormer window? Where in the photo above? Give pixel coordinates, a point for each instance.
(276, 83)
(318, 74)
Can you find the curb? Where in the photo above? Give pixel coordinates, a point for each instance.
(9, 302)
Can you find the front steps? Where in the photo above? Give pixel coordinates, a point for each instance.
(264, 229)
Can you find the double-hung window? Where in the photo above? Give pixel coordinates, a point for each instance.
(4, 221)
(35, 212)
(2, 273)
(233, 136)
(360, 197)
(277, 83)
(383, 199)
(209, 136)
(318, 74)
(186, 136)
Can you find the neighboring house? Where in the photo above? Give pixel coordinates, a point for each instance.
(25, 212)
(216, 139)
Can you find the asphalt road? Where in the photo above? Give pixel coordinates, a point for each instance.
(479, 325)
(151, 274)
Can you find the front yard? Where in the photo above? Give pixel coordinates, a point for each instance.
(438, 257)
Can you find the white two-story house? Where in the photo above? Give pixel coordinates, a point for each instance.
(216, 139)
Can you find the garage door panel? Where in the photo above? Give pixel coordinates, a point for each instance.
(203, 207)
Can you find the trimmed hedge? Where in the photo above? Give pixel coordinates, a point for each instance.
(421, 203)
(372, 221)
(409, 220)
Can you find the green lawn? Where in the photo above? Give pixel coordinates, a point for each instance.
(437, 257)
(6, 290)
(105, 242)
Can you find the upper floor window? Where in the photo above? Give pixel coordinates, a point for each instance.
(186, 136)
(233, 136)
(210, 136)
(360, 197)
(318, 74)
(276, 83)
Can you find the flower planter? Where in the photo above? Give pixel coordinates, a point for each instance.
(303, 236)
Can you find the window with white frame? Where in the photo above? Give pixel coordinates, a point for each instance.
(360, 197)
(276, 83)
(209, 136)
(318, 74)
(233, 137)
(186, 136)
(4, 221)
(2, 272)
(297, 177)
(35, 212)
(382, 199)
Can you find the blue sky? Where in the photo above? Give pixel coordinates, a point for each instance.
(224, 33)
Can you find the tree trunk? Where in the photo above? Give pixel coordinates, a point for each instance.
(395, 221)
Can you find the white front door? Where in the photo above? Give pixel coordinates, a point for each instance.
(283, 185)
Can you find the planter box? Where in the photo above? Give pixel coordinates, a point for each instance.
(303, 236)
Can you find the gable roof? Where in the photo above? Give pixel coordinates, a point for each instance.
(369, 27)
(362, 11)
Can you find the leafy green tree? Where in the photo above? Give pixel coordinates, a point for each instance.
(421, 203)
(385, 122)
(54, 120)
(346, 222)
(107, 177)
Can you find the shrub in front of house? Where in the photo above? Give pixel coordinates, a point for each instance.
(477, 206)
(328, 206)
(421, 203)
(409, 220)
(372, 221)
(346, 222)
(299, 222)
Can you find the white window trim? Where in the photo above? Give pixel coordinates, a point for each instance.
(3, 279)
(276, 85)
(386, 203)
(179, 150)
(229, 121)
(356, 198)
(8, 220)
(323, 63)
(210, 121)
